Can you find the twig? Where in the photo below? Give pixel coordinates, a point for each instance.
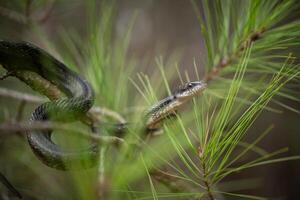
(28, 9)
(39, 84)
(21, 96)
(227, 60)
(169, 181)
(20, 112)
(107, 112)
(13, 15)
(103, 185)
(23, 127)
(47, 12)
(206, 181)
(27, 17)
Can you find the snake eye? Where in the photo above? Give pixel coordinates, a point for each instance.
(190, 85)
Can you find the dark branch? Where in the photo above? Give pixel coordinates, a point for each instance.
(227, 60)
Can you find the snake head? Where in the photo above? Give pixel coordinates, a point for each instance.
(189, 90)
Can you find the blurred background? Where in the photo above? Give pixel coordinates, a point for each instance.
(162, 27)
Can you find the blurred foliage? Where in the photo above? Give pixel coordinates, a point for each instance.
(252, 50)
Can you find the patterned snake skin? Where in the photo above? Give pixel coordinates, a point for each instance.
(17, 56)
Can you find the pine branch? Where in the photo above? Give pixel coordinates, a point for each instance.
(223, 60)
(226, 61)
(206, 181)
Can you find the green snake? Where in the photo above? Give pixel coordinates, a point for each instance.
(18, 56)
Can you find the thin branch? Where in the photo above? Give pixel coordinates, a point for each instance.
(39, 84)
(168, 181)
(229, 59)
(19, 115)
(23, 127)
(206, 181)
(13, 15)
(28, 6)
(21, 96)
(107, 112)
(20, 111)
(46, 12)
(103, 184)
(27, 17)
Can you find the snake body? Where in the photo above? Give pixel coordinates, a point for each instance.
(18, 56)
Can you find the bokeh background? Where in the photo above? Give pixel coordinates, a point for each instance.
(162, 27)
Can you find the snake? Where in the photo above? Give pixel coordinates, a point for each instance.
(25, 56)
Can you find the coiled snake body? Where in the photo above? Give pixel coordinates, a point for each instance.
(25, 56)
(17, 56)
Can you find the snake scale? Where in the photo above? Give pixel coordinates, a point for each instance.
(18, 56)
